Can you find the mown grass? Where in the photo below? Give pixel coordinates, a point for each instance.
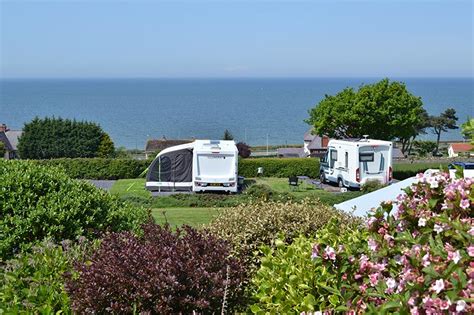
(195, 217)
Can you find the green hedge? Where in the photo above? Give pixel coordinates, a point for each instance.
(99, 168)
(280, 167)
(405, 170)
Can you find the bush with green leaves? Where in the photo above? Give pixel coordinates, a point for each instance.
(38, 202)
(99, 168)
(260, 191)
(248, 226)
(33, 282)
(371, 185)
(280, 167)
(405, 170)
(56, 138)
(417, 259)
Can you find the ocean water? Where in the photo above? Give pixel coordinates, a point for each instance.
(254, 110)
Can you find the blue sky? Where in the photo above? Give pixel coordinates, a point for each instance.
(236, 39)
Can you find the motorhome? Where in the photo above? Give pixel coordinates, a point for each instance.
(203, 165)
(352, 163)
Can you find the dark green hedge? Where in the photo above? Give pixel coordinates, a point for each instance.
(405, 170)
(99, 168)
(280, 167)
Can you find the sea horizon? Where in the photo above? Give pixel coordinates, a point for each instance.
(133, 110)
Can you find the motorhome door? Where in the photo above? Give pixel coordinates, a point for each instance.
(332, 158)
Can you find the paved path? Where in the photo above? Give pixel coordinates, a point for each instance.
(103, 184)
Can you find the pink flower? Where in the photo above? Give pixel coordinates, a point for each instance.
(454, 256)
(471, 231)
(425, 261)
(374, 279)
(421, 222)
(372, 244)
(470, 251)
(445, 304)
(461, 305)
(315, 252)
(438, 228)
(330, 253)
(414, 311)
(438, 286)
(465, 204)
(391, 284)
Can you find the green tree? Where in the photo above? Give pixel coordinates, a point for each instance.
(227, 135)
(56, 137)
(467, 130)
(383, 110)
(442, 123)
(423, 148)
(3, 150)
(106, 147)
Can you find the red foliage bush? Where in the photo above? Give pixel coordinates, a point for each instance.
(244, 149)
(160, 272)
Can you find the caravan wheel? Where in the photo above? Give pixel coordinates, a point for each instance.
(340, 183)
(322, 178)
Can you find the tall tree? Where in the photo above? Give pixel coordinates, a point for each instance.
(56, 137)
(442, 123)
(106, 147)
(227, 135)
(3, 150)
(383, 110)
(468, 130)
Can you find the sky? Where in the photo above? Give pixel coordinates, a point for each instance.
(117, 39)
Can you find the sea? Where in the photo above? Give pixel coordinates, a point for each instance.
(256, 111)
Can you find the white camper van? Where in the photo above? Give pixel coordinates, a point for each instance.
(353, 163)
(203, 165)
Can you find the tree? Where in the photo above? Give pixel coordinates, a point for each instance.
(424, 147)
(227, 135)
(383, 110)
(106, 147)
(3, 150)
(49, 138)
(442, 123)
(467, 130)
(244, 150)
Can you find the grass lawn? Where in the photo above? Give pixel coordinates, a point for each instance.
(131, 187)
(190, 216)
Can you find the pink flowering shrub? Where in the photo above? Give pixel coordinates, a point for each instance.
(416, 256)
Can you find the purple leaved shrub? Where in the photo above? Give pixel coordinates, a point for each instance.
(160, 272)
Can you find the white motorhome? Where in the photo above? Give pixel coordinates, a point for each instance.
(352, 163)
(203, 165)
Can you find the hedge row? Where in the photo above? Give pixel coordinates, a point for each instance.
(99, 168)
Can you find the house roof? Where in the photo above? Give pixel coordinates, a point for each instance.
(462, 147)
(316, 143)
(10, 138)
(13, 136)
(154, 145)
(308, 136)
(288, 152)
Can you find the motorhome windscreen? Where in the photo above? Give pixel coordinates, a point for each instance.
(217, 165)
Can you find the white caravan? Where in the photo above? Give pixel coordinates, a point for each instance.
(203, 165)
(352, 163)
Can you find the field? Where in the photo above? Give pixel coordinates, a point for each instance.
(198, 209)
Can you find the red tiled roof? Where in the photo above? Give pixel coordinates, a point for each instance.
(462, 147)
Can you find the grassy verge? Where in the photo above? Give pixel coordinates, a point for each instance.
(178, 216)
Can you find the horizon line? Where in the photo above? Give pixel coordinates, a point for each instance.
(234, 78)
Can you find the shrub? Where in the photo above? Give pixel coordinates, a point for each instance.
(405, 170)
(161, 272)
(417, 260)
(33, 282)
(280, 167)
(56, 137)
(99, 168)
(3, 150)
(248, 226)
(38, 202)
(260, 191)
(371, 185)
(244, 150)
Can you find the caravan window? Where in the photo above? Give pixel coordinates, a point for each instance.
(333, 155)
(366, 157)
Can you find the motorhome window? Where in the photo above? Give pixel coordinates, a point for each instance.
(333, 155)
(366, 157)
(347, 159)
(382, 162)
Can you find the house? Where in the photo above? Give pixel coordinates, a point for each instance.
(314, 145)
(463, 149)
(154, 146)
(10, 140)
(291, 152)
